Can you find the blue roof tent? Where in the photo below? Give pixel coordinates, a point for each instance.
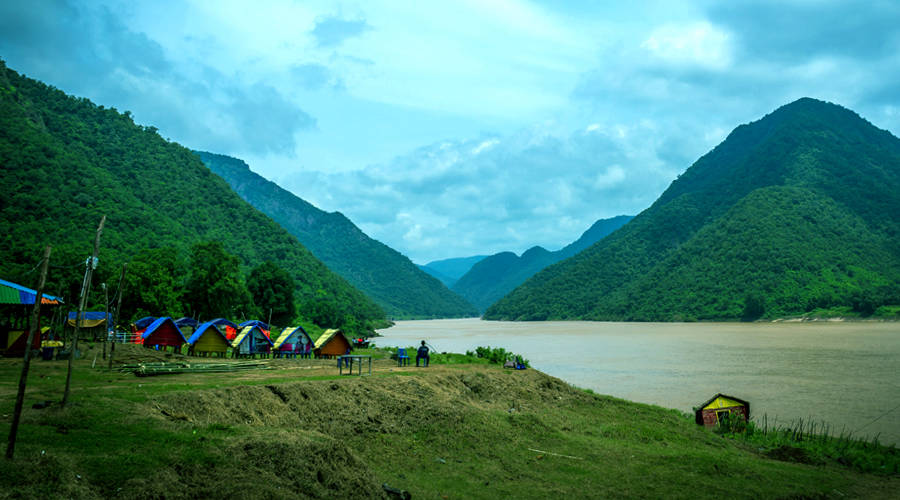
(91, 315)
(201, 330)
(223, 321)
(185, 321)
(163, 332)
(144, 322)
(257, 323)
(12, 293)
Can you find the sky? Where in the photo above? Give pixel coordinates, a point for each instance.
(450, 129)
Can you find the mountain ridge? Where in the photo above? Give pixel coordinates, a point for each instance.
(387, 276)
(815, 148)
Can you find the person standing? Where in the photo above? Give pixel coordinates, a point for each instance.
(422, 353)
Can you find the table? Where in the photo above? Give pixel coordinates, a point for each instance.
(352, 357)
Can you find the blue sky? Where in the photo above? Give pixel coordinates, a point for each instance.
(448, 129)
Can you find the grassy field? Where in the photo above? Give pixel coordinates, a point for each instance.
(448, 431)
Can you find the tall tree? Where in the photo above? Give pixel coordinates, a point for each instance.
(214, 287)
(272, 289)
(154, 283)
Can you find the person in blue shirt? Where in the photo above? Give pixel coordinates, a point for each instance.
(422, 353)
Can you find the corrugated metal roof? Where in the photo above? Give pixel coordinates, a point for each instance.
(287, 333)
(13, 293)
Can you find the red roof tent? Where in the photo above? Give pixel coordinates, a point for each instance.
(163, 332)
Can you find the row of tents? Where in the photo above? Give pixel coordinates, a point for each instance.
(248, 339)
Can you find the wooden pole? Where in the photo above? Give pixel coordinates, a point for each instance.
(112, 348)
(85, 289)
(26, 361)
(105, 319)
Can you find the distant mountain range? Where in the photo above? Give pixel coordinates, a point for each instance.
(448, 271)
(391, 279)
(492, 277)
(794, 213)
(65, 162)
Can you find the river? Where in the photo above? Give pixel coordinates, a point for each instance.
(843, 373)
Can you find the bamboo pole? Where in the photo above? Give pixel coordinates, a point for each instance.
(112, 348)
(26, 361)
(105, 319)
(85, 289)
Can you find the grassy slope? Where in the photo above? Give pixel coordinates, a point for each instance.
(452, 431)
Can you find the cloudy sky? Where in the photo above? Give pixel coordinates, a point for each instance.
(448, 129)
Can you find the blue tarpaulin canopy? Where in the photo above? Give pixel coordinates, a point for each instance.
(90, 319)
(185, 321)
(144, 322)
(255, 322)
(12, 293)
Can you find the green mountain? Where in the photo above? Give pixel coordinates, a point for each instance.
(493, 277)
(796, 212)
(392, 280)
(448, 271)
(65, 162)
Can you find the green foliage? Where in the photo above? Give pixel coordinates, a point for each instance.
(65, 162)
(214, 287)
(497, 355)
(797, 212)
(402, 289)
(272, 290)
(153, 284)
(812, 442)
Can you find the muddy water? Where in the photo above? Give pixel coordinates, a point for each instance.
(847, 374)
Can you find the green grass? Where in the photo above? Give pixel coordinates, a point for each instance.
(453, 431)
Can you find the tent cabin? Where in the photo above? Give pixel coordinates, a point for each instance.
(709, 413)
(208, 340)
(229, 328)
(91, 324)
(163, 332)
(139, 327)
(16, 302)
(184, 323)
(250, 342)
(292, 341)
(331, 343)
(262, 326)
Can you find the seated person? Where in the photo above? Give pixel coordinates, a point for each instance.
(422, 353)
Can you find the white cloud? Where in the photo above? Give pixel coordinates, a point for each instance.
(699, 43)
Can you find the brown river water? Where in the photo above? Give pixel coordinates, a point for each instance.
(845, 374)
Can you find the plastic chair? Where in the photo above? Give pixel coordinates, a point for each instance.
(402, 358)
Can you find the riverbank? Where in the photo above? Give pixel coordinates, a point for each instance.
(449, 431)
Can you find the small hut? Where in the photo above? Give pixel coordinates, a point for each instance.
(208, 340)
(229, 328)
(250, 342)
(709, 413)
(15, 314)
(163, 332)
(331, 343)
(293, 341)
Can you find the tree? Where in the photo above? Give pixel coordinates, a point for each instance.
(153, 284)
(272, 289)
(214, 287)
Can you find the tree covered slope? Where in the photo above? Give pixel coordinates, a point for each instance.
(792, 213)
(65, 162)
(392, 280)
(449, 271)
(493, 277)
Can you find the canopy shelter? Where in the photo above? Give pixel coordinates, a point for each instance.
(90, 319)
(251, 341)
(331, 343)
(185, 321)
(292, 341)
(717, 407)
(208, 339)
(15, 320)
(261, 325)
(229, 328)
(163, 332)
(12, 293)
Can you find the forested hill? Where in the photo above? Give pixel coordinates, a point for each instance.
(493, 277)
(798, 212)
(67, 161)
(392, 280)
(449, 271)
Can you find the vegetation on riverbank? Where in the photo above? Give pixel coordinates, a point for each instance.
(449, 431)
